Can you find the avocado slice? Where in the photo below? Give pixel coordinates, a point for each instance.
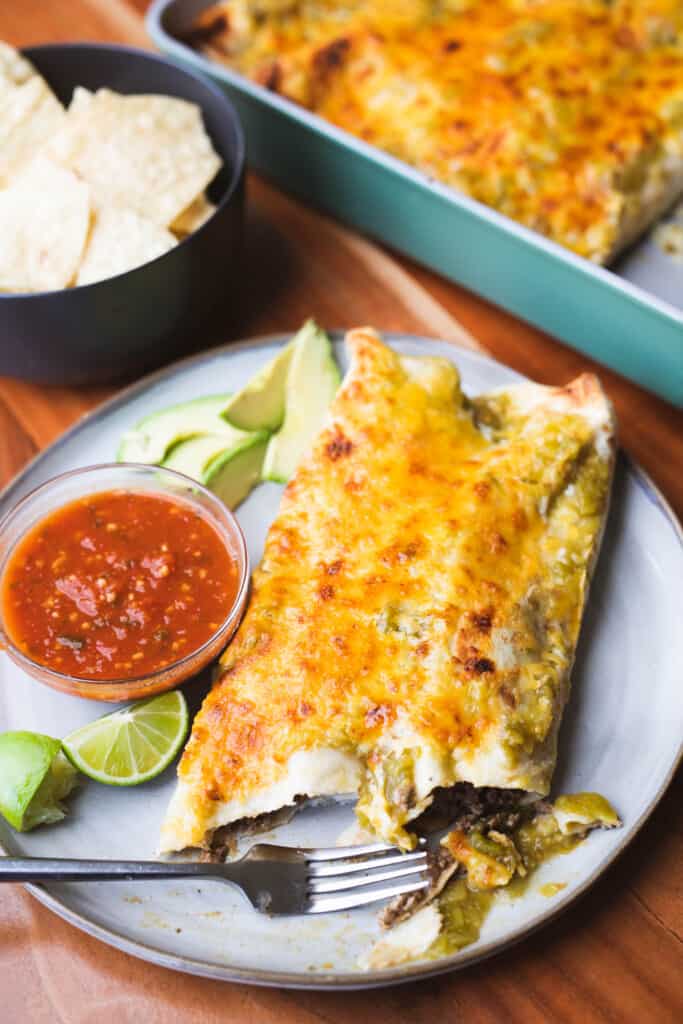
(232, 475)
(228, 463)
(151, 440)
(194, 456)
(312, 382)
(260, 405)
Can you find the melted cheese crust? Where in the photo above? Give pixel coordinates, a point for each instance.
(414, 618)
(565, 115)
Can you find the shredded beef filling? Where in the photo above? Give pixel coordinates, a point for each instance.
(463, 806)
(441, 866)
(224, 840)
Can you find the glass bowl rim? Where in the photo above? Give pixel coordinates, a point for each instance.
(147, 678)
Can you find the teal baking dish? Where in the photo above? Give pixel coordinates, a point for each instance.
(597, 311)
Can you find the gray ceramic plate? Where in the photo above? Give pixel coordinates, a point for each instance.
(621, 736)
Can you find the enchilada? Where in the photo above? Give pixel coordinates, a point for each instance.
(412, 625)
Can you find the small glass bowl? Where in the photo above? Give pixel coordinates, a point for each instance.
(128, 476)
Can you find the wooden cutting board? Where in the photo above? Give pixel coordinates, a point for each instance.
(618, 955)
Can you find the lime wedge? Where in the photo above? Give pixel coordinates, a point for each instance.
(132, 745)
(34, 779)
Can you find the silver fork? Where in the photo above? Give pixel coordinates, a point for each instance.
(275, 879)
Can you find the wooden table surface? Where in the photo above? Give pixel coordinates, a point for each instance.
(617, 956)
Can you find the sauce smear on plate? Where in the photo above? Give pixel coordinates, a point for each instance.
(116, 585)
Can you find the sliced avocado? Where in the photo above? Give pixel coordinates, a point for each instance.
(194, 456)
(151, 440)
(312, 382)
(260, 405)
(222, 460)
(231, 476)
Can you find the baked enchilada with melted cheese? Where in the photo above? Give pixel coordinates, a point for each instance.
(413, 622)
(565, 115)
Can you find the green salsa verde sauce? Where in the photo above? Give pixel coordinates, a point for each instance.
(463, 912)
(463, 909)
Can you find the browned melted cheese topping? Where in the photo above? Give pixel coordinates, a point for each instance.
(419, 597)
(566, 115)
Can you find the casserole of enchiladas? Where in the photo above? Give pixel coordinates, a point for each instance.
(413, 622)
(565, 116)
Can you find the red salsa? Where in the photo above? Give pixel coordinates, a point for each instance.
(117, 585)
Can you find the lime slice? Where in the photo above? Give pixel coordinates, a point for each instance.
(132, 745)
(34, 779)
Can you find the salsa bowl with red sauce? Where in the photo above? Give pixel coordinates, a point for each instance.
(120, 581)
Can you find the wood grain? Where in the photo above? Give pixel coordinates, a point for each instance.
(618, 955)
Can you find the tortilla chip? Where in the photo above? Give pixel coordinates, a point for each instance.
(30, 114)
(80, 99)
(148, 153)
(193, 217)
(44, 220)
(136, 163)
(14, 69)
(120, 240)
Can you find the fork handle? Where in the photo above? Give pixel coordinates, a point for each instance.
(55, 869)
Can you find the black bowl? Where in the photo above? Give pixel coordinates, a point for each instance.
(115, 328)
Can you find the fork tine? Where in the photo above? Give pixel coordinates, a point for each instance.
(339, 884)
(342, 852)
(390, 856)
(361, 897)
